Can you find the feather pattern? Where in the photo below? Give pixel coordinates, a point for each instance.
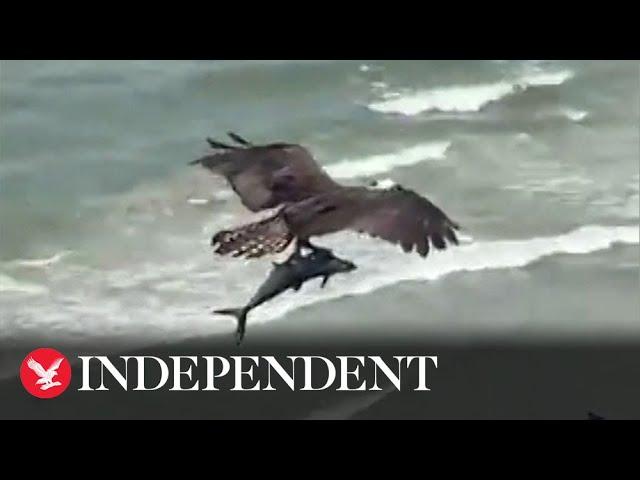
(269, 236)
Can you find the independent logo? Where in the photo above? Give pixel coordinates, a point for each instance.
(45, 373)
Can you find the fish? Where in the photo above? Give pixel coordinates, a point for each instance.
(292, 274)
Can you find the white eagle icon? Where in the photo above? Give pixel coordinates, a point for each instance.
(46, 376)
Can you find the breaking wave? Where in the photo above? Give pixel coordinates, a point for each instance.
(376, 164)
(465, 98)
(40, 262)
(155, 302)
(477, 256)
(11, 285)
(542, 79)
(575, 115)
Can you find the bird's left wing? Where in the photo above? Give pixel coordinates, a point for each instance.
(56, 363)
(402, 217)
(265, 176)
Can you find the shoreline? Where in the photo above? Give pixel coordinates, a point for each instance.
(491, 380)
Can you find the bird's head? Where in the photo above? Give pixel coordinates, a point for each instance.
(384, 184)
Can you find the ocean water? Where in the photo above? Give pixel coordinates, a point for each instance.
(105, 229)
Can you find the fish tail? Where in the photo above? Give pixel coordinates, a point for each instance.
(241, 316)
(234, 312)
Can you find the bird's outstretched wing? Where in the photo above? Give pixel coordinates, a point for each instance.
(56, 363)
(265, 176)
(396, 215)
(403, 217)
(36, 367)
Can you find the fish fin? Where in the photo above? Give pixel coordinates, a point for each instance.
(241, 317)
(297, 287)
(325, 279)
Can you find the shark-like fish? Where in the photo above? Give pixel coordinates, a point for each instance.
(292, 274)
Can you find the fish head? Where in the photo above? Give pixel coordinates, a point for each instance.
(338, 265)
(323, 263)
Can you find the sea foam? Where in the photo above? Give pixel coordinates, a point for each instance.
(472, 257)
(382, 163)
(465, 98)
(13, 286)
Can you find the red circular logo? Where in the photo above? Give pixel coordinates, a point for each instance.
(45, 373)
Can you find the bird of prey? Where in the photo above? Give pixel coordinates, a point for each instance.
(310, 203)
(46, 376)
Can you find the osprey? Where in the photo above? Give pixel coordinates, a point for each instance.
(310, 203)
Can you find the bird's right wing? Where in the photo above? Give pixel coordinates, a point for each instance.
(401, 216)
(397, 215)
(266, 176)
(36, 367)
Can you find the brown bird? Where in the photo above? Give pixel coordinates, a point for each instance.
(312, 204)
